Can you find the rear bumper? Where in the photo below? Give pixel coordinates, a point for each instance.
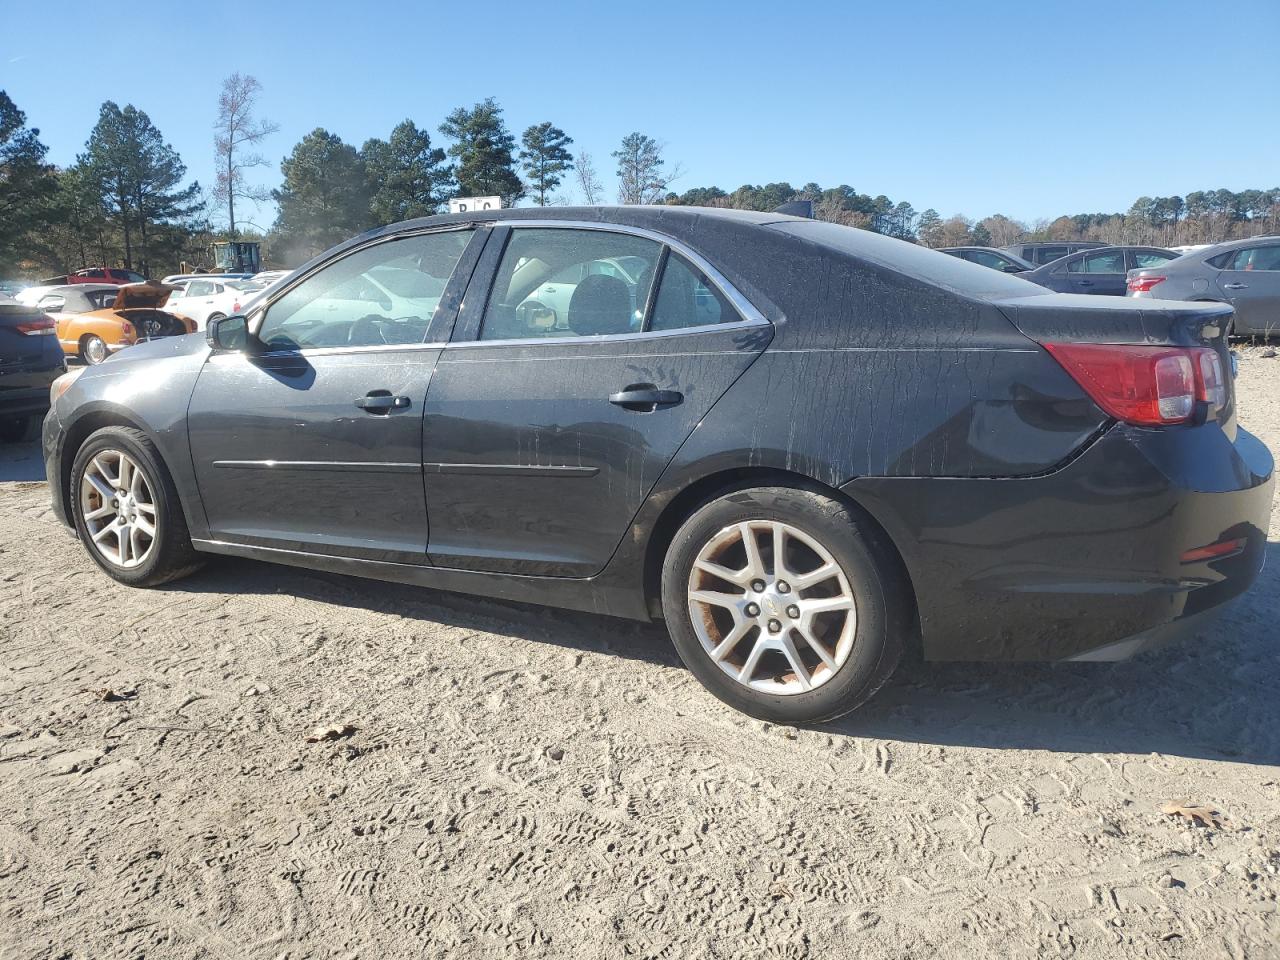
(25, 391)
(1086, 562)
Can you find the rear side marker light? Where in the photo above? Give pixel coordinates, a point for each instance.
(1143, 385)
(1143, 284)
(1215, 551)
(39, 327)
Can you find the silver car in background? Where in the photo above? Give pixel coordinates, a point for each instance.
(1243, 273)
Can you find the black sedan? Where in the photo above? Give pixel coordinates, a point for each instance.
(30, 360)
(1099, 271)
(804, 446)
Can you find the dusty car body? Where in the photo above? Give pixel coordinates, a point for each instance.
(803, 446)
(133, 316)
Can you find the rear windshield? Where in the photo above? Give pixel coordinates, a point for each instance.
(913, 260)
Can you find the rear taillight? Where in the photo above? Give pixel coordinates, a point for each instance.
(235, 307)
(37, 326)
(1148, 386)
(1143, 284)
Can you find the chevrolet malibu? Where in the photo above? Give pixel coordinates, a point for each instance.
(803, 446)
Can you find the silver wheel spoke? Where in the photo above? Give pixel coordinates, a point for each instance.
(738, 577)
(101, 512)
(749, 668)
(731, 640)
(122, 541)
(123, 482)
(147, 508)
(730, 601)
(755, 565)
(105, 490)
(145, 526)
(780, 552)
(825, 605)
(100, 534)
(806, 633)
(793, 657)
(103, 472)
(802, 581)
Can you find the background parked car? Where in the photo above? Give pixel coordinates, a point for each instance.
(205, 298)
(1243, 273)
(990, 257)
(114, 275)
(133, 317)
(76, 298)
(1101, 271)
(30, 360)
(1046, 251)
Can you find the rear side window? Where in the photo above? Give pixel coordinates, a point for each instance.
(988, 259)
(686, 298)
(567, 283)
(1099, 263)
(1149, 259)
(1048, 254)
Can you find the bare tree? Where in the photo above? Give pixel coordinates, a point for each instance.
(236, 133)
(641, 174)
(588, 182)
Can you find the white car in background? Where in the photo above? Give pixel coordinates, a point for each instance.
(210, 298)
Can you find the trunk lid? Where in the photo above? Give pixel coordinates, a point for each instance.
(1075, 318)
(149, 295)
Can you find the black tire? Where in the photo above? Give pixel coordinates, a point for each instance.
(172, 555)
(86, 351)
(880, 592)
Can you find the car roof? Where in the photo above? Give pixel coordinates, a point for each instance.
(82, 287)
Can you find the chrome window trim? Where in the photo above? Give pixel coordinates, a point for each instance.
(332, 351)
(746, 309)
(609, 337)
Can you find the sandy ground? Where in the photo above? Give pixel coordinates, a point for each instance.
(528, 782)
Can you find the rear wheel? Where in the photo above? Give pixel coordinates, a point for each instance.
(127, 511)
(93, 349)
(785, 603)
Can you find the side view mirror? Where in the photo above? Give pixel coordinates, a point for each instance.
(228, 334)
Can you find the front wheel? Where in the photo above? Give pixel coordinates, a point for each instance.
(126, 509)
(786, 604)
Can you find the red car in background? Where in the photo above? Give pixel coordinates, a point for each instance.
(115, 275)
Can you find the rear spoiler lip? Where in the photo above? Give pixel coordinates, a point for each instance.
(1086, 319)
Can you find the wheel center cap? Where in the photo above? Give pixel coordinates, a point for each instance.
(772, 605)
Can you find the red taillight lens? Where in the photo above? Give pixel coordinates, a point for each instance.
(37, 326)
(1144, 385)
(1215, 551)
(1144, 284)
(235, 307)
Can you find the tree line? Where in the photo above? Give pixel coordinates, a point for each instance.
(126, 200)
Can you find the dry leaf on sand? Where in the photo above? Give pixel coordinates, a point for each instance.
(1195, 812)
(335, 731)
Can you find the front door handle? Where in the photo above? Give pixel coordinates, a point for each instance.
(381, 402)
(645, 398)
(1235, 286)
(1084, 283)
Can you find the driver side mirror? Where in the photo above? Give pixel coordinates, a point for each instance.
(228, 334)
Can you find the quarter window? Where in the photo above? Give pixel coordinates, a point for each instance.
(686, 298)
(383, 294)
(566, 283)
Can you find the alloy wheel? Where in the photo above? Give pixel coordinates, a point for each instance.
(772, 607)
(118, 508)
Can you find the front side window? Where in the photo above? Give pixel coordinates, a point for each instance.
(988, 259)
(199, 288)
(1256, 258)
(566, 283)
(383, 294)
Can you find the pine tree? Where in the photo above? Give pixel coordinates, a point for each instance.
(545, 158)
(407, 175)
(26, 182)
(324, 198)
(483, 151)
(641, 178)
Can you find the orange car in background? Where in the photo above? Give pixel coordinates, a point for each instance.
(133, 317)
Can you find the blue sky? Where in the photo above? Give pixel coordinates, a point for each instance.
(1031, 110)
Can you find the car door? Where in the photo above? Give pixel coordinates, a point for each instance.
(312, 439)
(1101, 273)
(1251, 283)
(542, 438)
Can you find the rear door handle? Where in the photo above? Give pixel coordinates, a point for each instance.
(1084, 283)
(381, 402)
(645, 398)
(1235, 286)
